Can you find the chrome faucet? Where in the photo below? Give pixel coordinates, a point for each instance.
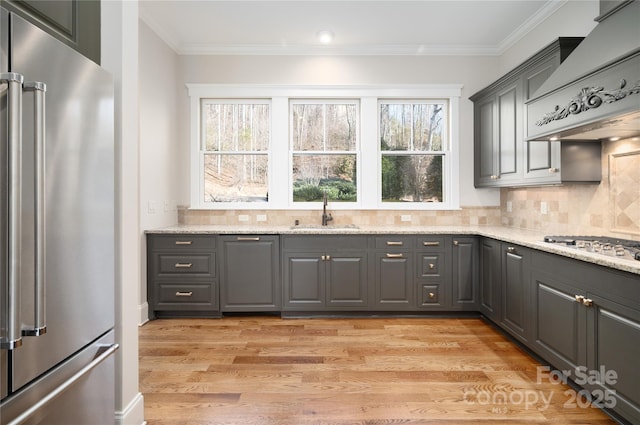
(326, 218)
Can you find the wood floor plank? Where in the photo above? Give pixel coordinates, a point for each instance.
(381, 371)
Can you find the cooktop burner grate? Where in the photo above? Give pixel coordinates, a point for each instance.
(623, 248)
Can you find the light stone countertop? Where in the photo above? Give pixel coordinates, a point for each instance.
(527, 238)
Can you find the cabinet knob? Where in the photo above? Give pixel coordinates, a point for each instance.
(579, 298)
(325, 257)
(494, 177)
(456, 243)
(587, 302)
(511, 249)
(553, 170)
(432, 295)
(432, 266)
(183, 265)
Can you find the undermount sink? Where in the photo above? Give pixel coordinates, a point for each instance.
(321, 227)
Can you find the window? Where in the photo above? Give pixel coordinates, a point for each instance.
(235, 151)
(413, 150)
(324, 143)
(284, 147)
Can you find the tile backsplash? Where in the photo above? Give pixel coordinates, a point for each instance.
(612, 207)
(464, 216)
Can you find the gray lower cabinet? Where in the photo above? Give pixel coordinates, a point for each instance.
(433, 254)
(465, 272)
(250, 273)
(392, 260)
(324, 273)
(489, 293)
(586, 323)
(515, 291)
(182, 276)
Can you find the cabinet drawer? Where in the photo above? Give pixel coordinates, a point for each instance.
(430, 265)
(394, 242)
(186, 264)
(182, 243)
(430, 295)
(430, 243)
(185, 294)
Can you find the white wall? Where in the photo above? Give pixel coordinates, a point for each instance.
(574, 19)
(120, 57)
(473, 72)
(163, 154)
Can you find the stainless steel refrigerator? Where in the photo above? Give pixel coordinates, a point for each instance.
(56, 232)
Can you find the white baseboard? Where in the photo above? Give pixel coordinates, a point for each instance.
(143, 311)
(133, 414)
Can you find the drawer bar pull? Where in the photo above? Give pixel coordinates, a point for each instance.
(245, 239)
(394, 255)
(393, 243)
(429, 243)
(184, 294)
(184, 242)
(183, 265)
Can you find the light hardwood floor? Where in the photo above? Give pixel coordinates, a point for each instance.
(267, 370)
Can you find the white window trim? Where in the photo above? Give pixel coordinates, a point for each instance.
(279, 155)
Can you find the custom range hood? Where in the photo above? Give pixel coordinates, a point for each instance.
(595, 93)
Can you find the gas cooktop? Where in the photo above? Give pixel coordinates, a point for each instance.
(620, 248)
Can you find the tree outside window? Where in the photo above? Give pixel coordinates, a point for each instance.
(413, 150)
(324, 142)
(235, 151)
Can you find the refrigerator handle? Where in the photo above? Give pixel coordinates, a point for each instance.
(11, 310)
(39, 321)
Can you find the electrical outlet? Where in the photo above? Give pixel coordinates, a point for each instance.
(509, 206)
(261, 217)
(152, 207)
(243, 217)
(544, 208)
(405, 217)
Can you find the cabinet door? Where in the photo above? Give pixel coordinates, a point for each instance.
(485, 154)
(614, 347)
(465, 272)
(304, 277)
(510, 133)
(515, 291)
(74, 22)
(249, 279)
(490, 276)
(394, 281)
(559, 322)
(346, 280)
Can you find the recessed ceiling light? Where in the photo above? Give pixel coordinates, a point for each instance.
(325, 37)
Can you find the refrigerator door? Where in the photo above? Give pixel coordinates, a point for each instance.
(73, 393)
(78, 206)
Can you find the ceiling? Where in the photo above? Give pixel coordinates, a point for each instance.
(360, 27)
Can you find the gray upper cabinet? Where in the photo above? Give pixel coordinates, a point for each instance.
(501, 155)
(74, 22)
(250, 273)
